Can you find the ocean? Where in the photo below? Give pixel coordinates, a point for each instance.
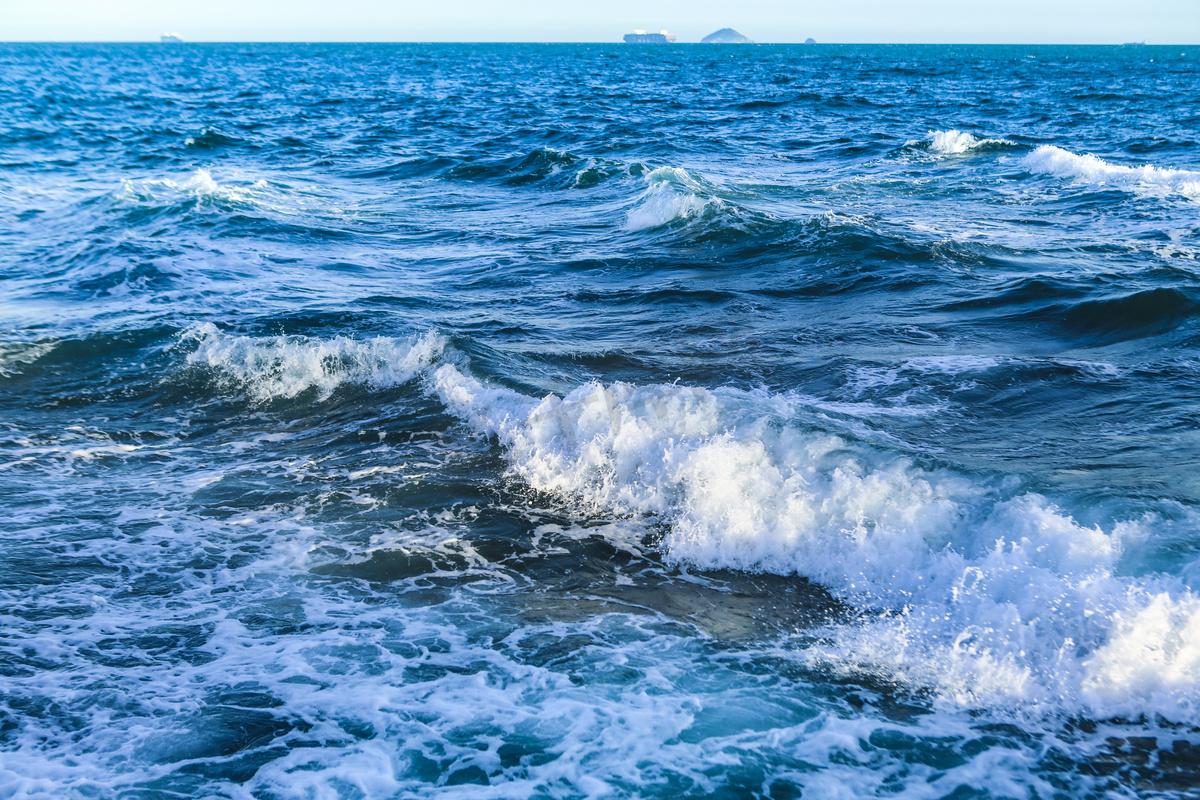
(599, 421)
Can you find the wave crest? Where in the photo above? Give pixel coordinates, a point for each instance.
(202, 192)
(284, 367)
(1095, 172)
(15, 356)
(673, 194)
(955, 142)
(198, 186)
(986, 595)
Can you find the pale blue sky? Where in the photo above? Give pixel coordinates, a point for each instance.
(1024, 21)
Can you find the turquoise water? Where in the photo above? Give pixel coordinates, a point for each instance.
(564, 421)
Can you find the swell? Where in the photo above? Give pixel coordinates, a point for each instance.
(1087, 311)
(684, 214)
(823, 255)
(544, 167)
(1145, 313)
(80, 360)
(668, 215)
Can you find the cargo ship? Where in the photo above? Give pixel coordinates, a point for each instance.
(641, 37)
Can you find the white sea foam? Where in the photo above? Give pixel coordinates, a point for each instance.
(989, 595)
(967, 368)
(199, 186)
(65, 452)
(865, 378)
(202, 190)
(672, 194)
(1092, 171)
(955, 142)
(992, 597)
(276, 367)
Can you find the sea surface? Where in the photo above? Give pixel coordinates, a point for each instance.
(599, 421)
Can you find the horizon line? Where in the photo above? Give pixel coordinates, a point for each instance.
(638, 46)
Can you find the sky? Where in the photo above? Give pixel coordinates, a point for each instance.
(991, 21)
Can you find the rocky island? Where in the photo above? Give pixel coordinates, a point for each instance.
(726, 36)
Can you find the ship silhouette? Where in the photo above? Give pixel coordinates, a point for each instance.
(641, 37)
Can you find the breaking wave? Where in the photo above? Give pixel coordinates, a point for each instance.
(1097, 173)
(954, 142)
(198, 186)
(200, 190)
(284, 367)
(988, 595)
(673, 194)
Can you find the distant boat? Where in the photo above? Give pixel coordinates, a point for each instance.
(1142, 43)
(641, 37)
(171, 38)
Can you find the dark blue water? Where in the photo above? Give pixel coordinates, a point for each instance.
(506, 421)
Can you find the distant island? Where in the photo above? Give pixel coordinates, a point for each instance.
(171, 38)
(726, 36)
(641, 37)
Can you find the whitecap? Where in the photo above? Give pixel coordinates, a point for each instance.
(200, 186)
(987, 595)
(1091, 171)
(203, 191)
(281, 367)
(956, 142)
(672, 194)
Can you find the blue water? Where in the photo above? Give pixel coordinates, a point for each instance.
(565, 421)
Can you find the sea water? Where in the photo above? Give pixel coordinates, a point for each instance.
(581, 421)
